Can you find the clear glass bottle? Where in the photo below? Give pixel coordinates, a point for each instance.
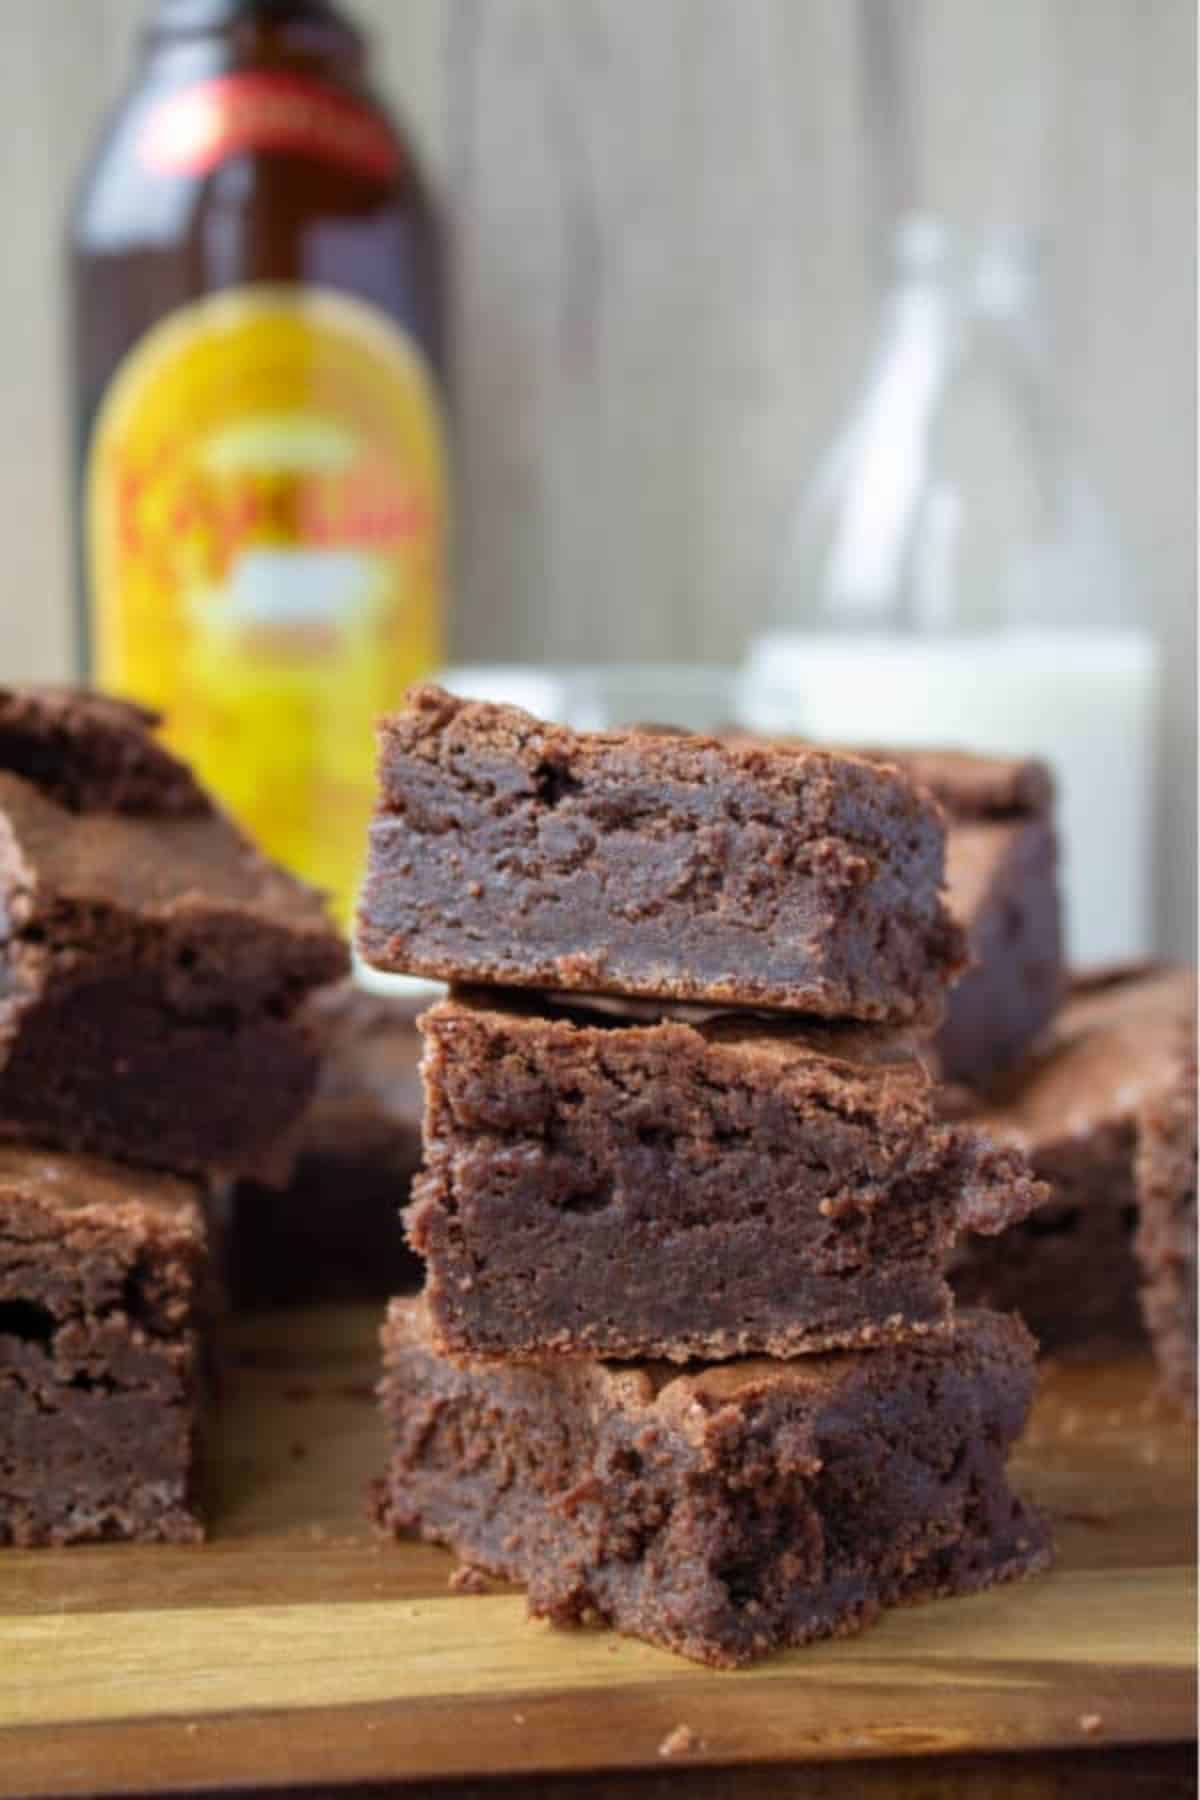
(951, 577)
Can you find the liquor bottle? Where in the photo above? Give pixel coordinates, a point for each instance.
(257, 323)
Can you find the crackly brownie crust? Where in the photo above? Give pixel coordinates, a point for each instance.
(104, 1284)
(510, 852)
(1165, 1176)
(144, 935)
(1075, 1109)
(675, 1190)
(722, 1512)
(335, 1231)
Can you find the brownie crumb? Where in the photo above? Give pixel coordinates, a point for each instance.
(679, 1742)
(467, 1579)
(1091, 1723)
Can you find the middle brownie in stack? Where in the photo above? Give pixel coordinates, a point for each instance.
(700, 1139)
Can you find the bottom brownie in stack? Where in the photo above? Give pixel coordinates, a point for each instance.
(729, 1509)
(104, 1299)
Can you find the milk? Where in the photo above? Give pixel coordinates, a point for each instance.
(1084, 700)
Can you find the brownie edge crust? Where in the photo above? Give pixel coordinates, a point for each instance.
(721, 1512)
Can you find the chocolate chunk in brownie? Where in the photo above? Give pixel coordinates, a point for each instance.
(104, 1287)
(1165, 1178)
(152, 963)
(335, 1232)
(510, 852)
(1074, 1108)
(725, 1511)
(672, 1190)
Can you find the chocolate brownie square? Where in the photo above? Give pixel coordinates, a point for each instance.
(335, 1232)
(721, 1512)
(687, 1190)
(510, 852)
(104, 1291)
(152, 963)
(1074, 1110)
(1165, 1178)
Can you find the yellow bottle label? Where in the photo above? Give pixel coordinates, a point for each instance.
(266, 506)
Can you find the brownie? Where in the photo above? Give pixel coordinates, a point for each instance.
(1165, 1176)
(92, 753)
(724, 1511)
(674, 1190)
(153, 963)
(104, 1289)
(335, 1232)
(1074, 1108)
(1002, 888)
(510, 852)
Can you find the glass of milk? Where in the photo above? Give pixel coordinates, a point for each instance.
(951, 579)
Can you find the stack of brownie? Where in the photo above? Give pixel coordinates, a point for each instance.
(687, 1359)
(154, 1041)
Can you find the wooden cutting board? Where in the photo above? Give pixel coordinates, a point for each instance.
(295, 1647)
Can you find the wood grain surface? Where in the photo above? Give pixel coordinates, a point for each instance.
(297, 1650)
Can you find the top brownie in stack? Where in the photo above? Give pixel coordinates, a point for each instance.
(154, 965)
(677, 869)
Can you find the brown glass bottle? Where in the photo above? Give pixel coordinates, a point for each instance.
(257, 325)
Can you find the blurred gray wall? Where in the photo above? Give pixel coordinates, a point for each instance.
(667, 221)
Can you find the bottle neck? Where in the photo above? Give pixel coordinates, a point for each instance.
(270, 32)
(182, 17)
